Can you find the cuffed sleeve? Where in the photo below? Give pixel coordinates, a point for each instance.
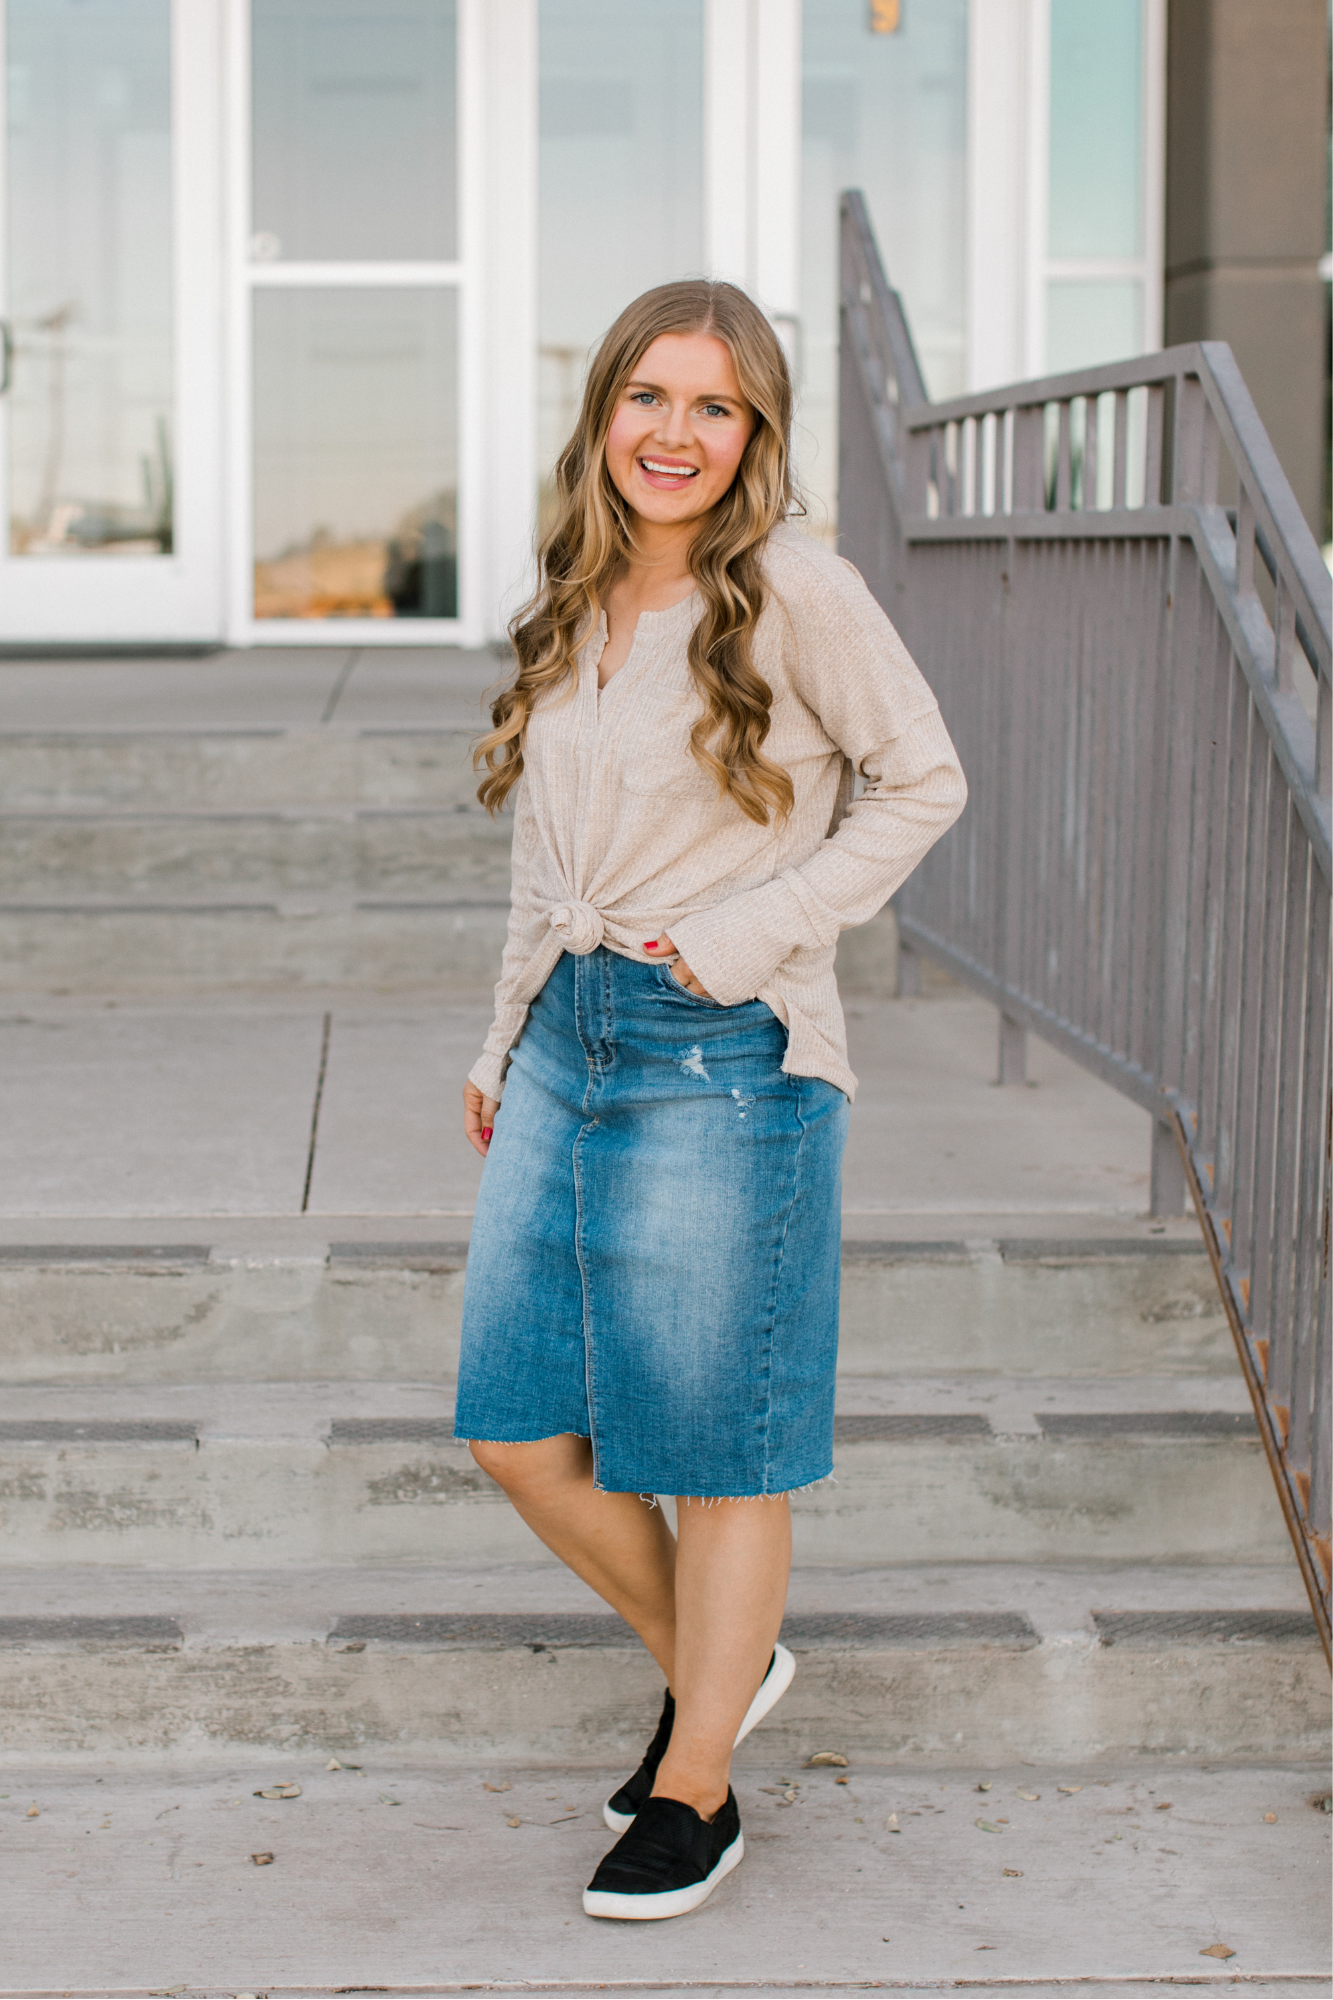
(851, 669)
(915, 790)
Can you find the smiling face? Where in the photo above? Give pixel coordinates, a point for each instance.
(680, 429)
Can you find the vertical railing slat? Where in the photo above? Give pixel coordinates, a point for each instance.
(1243, 1100)
(1295, 971)
(1268, 1052)
(1311, 1279)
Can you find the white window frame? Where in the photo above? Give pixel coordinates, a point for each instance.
(177, 599)
(476, 42)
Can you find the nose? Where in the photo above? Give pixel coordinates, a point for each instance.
(673, 430)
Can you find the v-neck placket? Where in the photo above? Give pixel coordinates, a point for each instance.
(600, 719)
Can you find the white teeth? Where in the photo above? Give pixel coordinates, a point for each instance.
(674, 471)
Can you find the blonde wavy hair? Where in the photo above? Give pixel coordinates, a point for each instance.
(592, 538)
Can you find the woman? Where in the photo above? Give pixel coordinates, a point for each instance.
(652, 1285)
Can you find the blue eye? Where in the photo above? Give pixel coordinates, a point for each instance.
(643, 396)
(716, 410)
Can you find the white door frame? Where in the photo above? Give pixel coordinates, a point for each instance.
(752, 153)
(492, 239)
(1008, 164)
(175, 599)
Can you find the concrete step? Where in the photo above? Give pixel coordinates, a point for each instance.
(245, 1300)
(238, 770)
(215, 938)
(958, 1665)
(278, 1474)
(452, 946)
(337, 853)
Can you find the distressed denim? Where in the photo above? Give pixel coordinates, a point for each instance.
(655, 1255)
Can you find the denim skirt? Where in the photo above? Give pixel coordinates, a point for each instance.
(655, 1255)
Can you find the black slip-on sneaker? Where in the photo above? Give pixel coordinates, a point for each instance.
(620, 1808)
(668, 1863)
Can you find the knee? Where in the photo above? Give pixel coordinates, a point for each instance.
(532, 1471)
(497, 1461)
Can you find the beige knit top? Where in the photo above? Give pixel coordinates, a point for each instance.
(620, 836)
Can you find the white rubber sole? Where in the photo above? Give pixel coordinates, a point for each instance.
(771, 1690)
(671, 1902)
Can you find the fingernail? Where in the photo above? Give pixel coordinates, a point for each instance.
(486, 1131)
(650, 944)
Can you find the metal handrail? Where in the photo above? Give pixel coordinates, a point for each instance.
(1146, 719)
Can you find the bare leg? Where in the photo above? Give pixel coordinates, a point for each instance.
(614, 1541)
(733, 1561)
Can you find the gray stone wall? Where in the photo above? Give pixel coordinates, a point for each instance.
(1247, 114)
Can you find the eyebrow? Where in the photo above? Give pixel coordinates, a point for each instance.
(711, 396)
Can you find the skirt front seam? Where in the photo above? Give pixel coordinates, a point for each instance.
(589, 1343)
(775, 1291)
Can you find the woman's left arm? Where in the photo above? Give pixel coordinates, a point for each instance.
(849, 666)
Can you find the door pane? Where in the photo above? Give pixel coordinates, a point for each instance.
(356, 459)
(1096, 202)
(1091, 320)
(88, 223)
(886, 113)
(355, 130)
(621, 177)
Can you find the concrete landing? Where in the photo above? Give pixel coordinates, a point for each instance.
(396, 1879)
(208, 1107)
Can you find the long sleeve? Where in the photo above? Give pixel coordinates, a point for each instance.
(851, 669)
(488, 1071)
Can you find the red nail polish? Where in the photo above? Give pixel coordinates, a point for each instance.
(486, 1131)
(650, 944)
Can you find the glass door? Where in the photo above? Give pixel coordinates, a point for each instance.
(351, 325)
(109, 337)
(621, 177)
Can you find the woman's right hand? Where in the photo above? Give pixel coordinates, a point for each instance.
(478, 1118)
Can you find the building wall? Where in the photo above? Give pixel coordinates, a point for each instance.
(1247, 122)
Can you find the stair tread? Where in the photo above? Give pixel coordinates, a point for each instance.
(412, 1874)
(263, 686)
(395, 1237)
(350, 1413)
(254, 1606)
(537, 1631)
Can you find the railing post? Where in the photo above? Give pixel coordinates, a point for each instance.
(909, 970)
(1013, 1051)
(1166, 1178)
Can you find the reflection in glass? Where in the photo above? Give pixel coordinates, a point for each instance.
(621, 177)
(886, 113)
(88, 225)
(1091, 320)
(1096, 129)
(354, 130)
(356, 459)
